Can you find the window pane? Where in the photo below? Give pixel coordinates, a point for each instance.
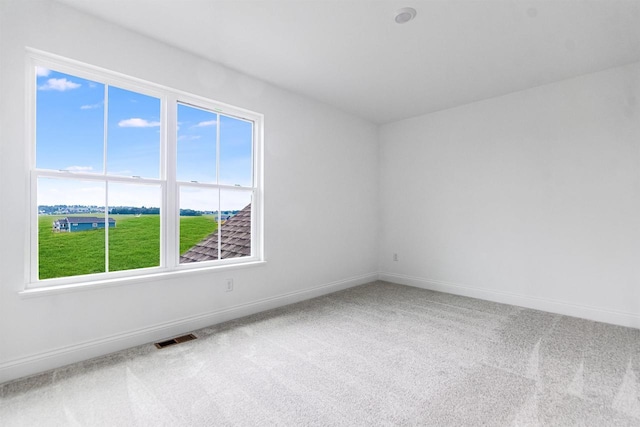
(235, 228)
(133, 142)
(236, 141)
(71, 223)
(134, 238)
(198, 225)
(69, 122)
(196, 144)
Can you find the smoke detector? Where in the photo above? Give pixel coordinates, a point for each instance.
(405, 15)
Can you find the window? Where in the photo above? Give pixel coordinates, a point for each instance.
(129, 178)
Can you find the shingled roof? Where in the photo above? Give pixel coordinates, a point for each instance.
(236, 240)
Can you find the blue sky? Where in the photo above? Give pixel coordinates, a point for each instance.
(70, 133)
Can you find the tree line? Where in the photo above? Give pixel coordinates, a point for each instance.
(123, 210)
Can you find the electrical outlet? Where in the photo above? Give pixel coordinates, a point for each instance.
(395, 257)
(229, 285)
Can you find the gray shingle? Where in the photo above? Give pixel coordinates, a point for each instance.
(235, 236)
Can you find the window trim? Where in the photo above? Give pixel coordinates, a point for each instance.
(169, 186)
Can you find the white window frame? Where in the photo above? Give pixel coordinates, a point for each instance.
(169, 186)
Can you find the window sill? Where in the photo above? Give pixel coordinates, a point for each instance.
(122, 281)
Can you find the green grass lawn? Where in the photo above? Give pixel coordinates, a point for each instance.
(192, 228)
(133, 243)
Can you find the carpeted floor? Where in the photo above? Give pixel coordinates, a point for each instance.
(378, 354)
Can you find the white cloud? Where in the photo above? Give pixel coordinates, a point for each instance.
(59, 84)
(207, 123)
(137, 123)
(79, 168)
(124, 172)
(134, 195)
(69, 192)
(42, 72)
(91, 106)
(188, 137)
(202, 199)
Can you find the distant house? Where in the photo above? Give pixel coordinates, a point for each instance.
(235, 234)
(81, 223)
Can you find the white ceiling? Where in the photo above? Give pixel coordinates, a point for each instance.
(352, 55)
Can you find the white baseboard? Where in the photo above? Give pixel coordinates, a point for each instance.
(36, 363)
(592, 313)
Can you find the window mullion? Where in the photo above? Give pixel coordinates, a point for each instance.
(170, 215)
(104, 173)
(106, 226)
(218, 182)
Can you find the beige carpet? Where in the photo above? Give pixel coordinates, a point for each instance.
(378, 354)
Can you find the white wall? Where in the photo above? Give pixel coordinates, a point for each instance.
(320, 201)
(531, 198)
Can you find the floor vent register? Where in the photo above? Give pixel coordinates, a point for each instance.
(174, 341)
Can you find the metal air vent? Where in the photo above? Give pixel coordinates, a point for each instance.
(174, 341)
